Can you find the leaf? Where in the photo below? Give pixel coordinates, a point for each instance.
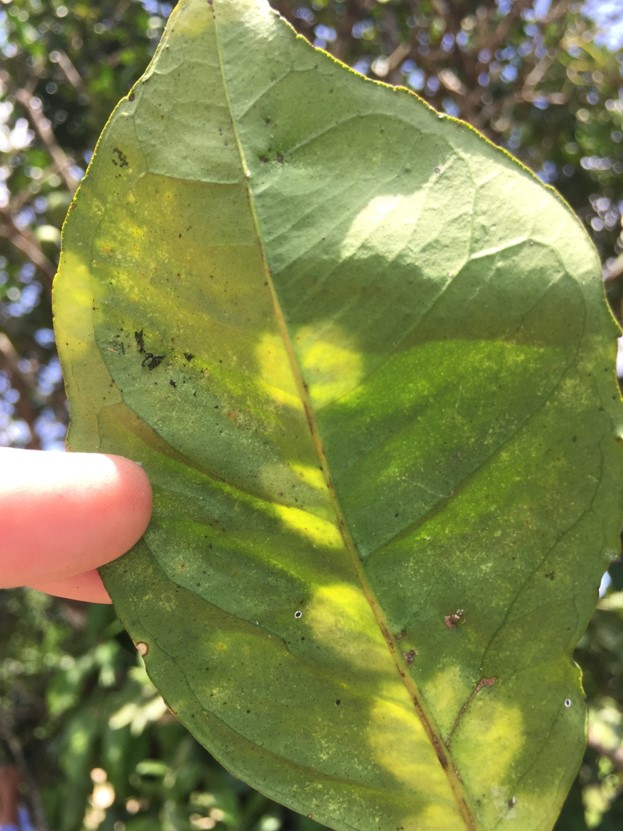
(366, 360)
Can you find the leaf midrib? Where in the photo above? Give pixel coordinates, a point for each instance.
(442, 753)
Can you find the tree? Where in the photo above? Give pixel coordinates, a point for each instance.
(533, 78)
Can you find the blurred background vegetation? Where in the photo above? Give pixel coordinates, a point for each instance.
(542, 78)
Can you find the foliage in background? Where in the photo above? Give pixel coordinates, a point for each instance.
(101, 751)
(536, 76)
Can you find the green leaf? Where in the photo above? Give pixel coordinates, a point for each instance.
(366, 360)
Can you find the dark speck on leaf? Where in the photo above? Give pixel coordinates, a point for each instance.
(189, 356)
(151, 361)
(173, 383)
(155, 361)
(140, 343)
(410, 656)
(119, 158)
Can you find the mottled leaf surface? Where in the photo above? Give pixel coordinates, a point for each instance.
(367, 363)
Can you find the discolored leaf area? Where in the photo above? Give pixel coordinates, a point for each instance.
(366, 360)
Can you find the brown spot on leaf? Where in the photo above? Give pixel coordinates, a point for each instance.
(453, 620)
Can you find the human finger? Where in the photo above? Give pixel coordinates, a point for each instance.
(88, 587)
(64, 514)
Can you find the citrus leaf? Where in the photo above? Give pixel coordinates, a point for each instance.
(366, 360)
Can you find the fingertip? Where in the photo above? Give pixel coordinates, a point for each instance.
(135, 490)
(87, 587)
(123, 494)
(64, 514)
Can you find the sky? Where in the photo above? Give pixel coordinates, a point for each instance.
(608, 15)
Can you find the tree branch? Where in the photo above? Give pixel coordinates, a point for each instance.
(25, 242)
(9, 363)
(44, 130)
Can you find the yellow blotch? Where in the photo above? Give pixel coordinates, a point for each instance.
(313, 477)
(319, 532)
(492, 731)
(400, 744)
(446, 692)
(340, 617)
(275, 371)
(330, 363)
(74, 330)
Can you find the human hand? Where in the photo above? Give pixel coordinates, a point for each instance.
(64, 514)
